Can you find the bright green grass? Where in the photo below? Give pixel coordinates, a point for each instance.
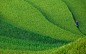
(56, 12)
(22, 14)
(18, 44)
(77, 47)
(19, 39)
(72, 48)
(12, 31)
(78, 9)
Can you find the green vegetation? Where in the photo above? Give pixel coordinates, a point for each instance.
(12, 31)
(16, 38)
(78, 9)
(42, 27)
(77, 47)
(31, 43)
(56, 12)
(18, 44)
(20, 13)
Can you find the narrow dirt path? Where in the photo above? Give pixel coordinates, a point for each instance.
(74, 18)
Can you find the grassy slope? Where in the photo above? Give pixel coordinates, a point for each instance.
(78, 9)
(56, 12)
(23, 15)
(10, 35)
(12, 31)
(72, 48)
(77, 47)
(18, 44)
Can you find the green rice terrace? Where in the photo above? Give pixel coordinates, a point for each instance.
(42, 27)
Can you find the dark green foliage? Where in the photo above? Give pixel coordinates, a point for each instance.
(77, 47)
(17, 44)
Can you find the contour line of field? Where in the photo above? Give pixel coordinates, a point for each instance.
(59, 40)
(46, 16)
(15, 45)
(51, 51)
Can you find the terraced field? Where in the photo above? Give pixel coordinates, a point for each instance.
(78, 9)
(59, 14)
(42, 27)
(77, 47)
